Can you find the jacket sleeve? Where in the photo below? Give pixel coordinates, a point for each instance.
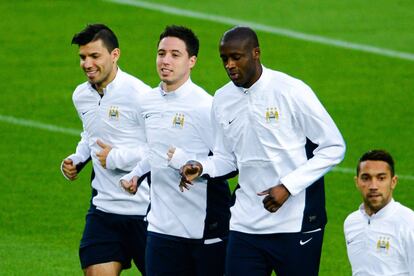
(83, 151)
(125, 158)
(223, 160)
(139, 170)
(316, 124)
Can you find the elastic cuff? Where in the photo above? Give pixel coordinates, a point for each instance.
(110, 164)
(61, 169)
(179, 158)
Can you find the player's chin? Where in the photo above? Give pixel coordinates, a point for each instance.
(376, 204)
(237, 82)
(93, 80)
(167, 79)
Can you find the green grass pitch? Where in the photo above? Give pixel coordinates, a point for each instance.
(370, 97)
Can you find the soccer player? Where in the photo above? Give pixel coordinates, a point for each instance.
(380, 235)
(262, 121)
(113, 137)
(187, 232)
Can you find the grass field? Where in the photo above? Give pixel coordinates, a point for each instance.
(369, 95)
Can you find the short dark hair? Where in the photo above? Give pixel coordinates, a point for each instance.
(93, 32)
(185, 34)
(241, 33)
(377, 155)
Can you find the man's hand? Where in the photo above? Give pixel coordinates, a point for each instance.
(130, 186)
(189, 172)
(275, 197)
(69, 169)
(103, 154)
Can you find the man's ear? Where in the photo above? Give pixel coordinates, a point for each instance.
(356, 182)
(256, 52)
(394, 181)
(116, 53)
(192, 61)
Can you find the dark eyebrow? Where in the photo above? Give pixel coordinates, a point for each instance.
(379, 174)
(91, 54)
(174, 51)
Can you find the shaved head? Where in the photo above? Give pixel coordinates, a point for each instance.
(242, 34)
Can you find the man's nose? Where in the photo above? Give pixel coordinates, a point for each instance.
(166, 59)
(230, 64)
(86, 63)
(373, 184)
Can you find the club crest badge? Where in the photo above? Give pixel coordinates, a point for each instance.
(272, 115)
(383, 244)
(178, 120)
(113, 113)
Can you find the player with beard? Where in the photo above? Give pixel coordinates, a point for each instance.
(380, 235)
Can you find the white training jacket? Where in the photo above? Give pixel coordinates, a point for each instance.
(181, 119)
(115, 120)
(262, 131)
(381, 244)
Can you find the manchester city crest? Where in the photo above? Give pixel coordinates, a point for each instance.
(383, 244)
(272, 115)
(113, 113)
(178, 120)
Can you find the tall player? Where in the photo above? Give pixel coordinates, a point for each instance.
(263, 120)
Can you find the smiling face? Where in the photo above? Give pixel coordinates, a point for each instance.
(98, 63)
(173, 63)
(241, 61)
(376, 184)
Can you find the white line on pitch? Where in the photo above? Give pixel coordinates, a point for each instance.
(76, 132)
(269, 29)
(353, 171)
(39, 125)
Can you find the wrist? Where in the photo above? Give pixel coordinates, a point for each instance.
(195, 163)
